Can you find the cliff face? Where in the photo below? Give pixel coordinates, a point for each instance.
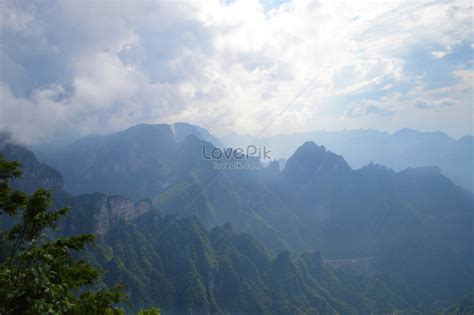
(115, 210)
(98, 213)
(92, 213)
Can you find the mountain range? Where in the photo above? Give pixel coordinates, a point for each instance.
(216, 271)
(415, 225)
(398, 151)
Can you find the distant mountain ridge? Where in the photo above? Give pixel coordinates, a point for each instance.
(143, 154)
(402, 149)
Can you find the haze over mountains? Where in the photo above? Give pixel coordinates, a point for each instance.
(402, 149)
(215, 271)
(148, 190)
(255, 208)
(143, 153)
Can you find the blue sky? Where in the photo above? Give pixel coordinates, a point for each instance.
(76, 68)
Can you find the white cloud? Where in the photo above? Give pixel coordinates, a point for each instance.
(228, 67)
(420, 108)
(103, 79)
(14, 18)
(366, 107)
(439, 54)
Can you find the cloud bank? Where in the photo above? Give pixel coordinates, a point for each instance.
(72, 68)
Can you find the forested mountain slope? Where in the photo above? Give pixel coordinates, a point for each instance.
(175, 263)
(416, 223)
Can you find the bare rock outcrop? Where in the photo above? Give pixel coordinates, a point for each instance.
(116, 210)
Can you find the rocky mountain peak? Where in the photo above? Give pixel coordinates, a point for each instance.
(313, 160)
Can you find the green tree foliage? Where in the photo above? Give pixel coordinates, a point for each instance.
(38, 275)
(150, 311)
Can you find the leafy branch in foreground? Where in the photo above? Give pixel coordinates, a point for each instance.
(38, 275)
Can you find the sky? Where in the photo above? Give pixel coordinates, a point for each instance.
(73, 68)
